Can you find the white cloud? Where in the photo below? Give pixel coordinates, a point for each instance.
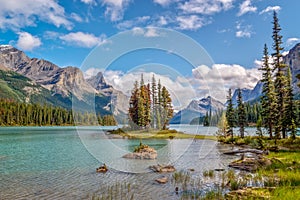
(128, 24)
(243, 34)
(76, 17)
(217, 80)
(28, 42)
(163, 2)
(270, 9)
(206, 7)
(162, 21)
(115, 9)
(243, 31)
(82, 39)
(292, 41)
(146, 32)
(91, 72)
(15, 14)
(246, 7)
(180, 89)
(151, 32)
(192, 22)
(88, 1)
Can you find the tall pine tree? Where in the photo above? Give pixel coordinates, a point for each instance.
(290, 115)
(230, 115)
(241, 113)
(280, 80)
(268, 98)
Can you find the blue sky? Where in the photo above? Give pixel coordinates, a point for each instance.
(232, 32)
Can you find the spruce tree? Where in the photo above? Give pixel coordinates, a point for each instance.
(154, 101)
(167, 109)
(241, 113)
(280, 80)
(230, 114)
(268, 98)
(290, 115)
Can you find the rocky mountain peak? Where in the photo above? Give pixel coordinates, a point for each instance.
(98, 82)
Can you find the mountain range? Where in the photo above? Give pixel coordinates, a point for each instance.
(35, 80)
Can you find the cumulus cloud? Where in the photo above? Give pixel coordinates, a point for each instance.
(206, 7)
(28, 42)
(115, 9)
(15, 14)
(179, 87)
(192, 22)
(292, 41)
(81, 39)
(246, 7)
(270, 9)
(218, 79)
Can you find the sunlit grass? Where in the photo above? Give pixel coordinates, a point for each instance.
(159, 134)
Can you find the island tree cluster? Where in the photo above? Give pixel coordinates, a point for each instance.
(150, 105)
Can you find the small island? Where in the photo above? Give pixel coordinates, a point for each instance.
(142, 152)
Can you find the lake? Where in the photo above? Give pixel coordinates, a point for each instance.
(60, 162)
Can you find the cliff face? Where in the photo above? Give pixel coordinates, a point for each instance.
(292, 59)
(58, 80)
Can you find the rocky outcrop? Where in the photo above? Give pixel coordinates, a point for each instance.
(162, 168)
(102, 169)
(146, 153)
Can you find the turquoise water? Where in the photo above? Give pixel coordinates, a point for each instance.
(60, 162)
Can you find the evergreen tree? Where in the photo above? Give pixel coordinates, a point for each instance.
(230, 114)
(268, 98)
(223, 126)
(280, 80)
(241, 113)
(290, 115)
(167, 109)
(154, 102)
(206, 120)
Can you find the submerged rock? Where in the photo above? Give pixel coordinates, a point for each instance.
(102, 169)
(162, 180)
(146, 153)
(161, 168)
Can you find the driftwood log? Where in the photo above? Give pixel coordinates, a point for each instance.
(254, 151)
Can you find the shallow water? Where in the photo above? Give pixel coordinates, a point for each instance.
(60, 163)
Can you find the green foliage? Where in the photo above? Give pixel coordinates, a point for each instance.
(21, 114)
(140, 147)
(150, 107)
(208, 173)
(230, 115)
